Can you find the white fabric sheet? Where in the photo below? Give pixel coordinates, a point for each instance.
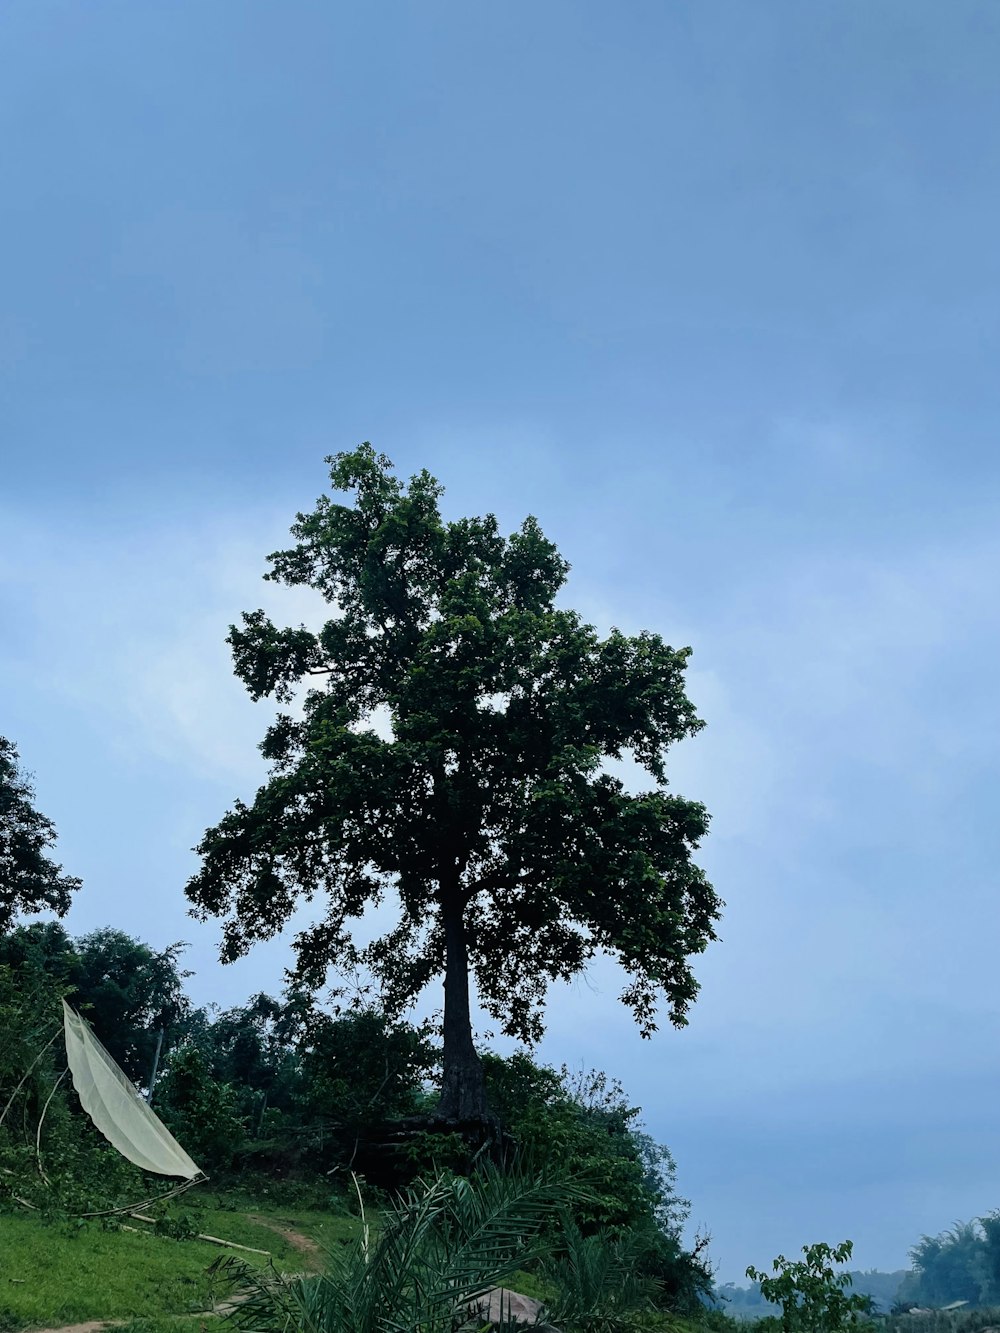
(116, 1107)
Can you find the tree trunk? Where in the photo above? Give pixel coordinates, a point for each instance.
(463, 1087)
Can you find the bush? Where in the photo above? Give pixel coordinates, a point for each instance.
(584, 1126)
(201, 1112)
(70, 1168)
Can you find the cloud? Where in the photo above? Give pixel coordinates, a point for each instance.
(836, 764)
(136, 629)
(856, 450)
(230, 298)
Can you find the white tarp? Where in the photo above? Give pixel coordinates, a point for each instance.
(116, 1107)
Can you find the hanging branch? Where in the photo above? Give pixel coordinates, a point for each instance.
(146, 1203)
(38, 1132)
(27, 1074)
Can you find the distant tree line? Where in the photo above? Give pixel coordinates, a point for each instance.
(959, 1264)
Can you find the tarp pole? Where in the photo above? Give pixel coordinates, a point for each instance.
(156, 1066)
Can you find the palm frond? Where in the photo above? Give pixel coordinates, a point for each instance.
(599, 1289)
(441, 1247)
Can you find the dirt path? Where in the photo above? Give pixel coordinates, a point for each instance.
(91, 1326)
(99, 1325)
(305, 1245)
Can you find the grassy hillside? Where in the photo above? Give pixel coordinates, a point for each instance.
(54, 1273)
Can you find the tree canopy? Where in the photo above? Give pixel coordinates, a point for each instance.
(128, 991)
(29, 880)
(131, 994)
(451, 756)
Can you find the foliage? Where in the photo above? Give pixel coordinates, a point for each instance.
(646, 1171)
(177, 1226)
(129, 993)
(306, 1086)
(28, 1021)
(29, 880)
(683, 1276)
(331, 1081)
(882, 1287)
(201, 1112)
(960, 1264)
(598, 1283)
(427, 1151)
(439, 1248)
(489, 811)
(987, 1267)
(41, 947)
(49, 1155)
(945, 1321)
(247, 1045)
(813, 1296)
(360, 1069)
(27, 1070)
(957, 1265)
(251, 1050)
(585, 1123)
(709, 1319)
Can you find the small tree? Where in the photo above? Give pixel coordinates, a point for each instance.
(29, 880)
(812, 1294)
(488, 809)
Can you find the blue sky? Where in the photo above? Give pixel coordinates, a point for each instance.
(711, 289)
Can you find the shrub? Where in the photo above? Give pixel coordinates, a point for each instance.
(812, 1294)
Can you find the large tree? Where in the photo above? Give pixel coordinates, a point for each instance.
(450, 756)
(29, 880)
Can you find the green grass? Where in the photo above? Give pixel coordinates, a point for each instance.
(324, 1228)
(54, 1273)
